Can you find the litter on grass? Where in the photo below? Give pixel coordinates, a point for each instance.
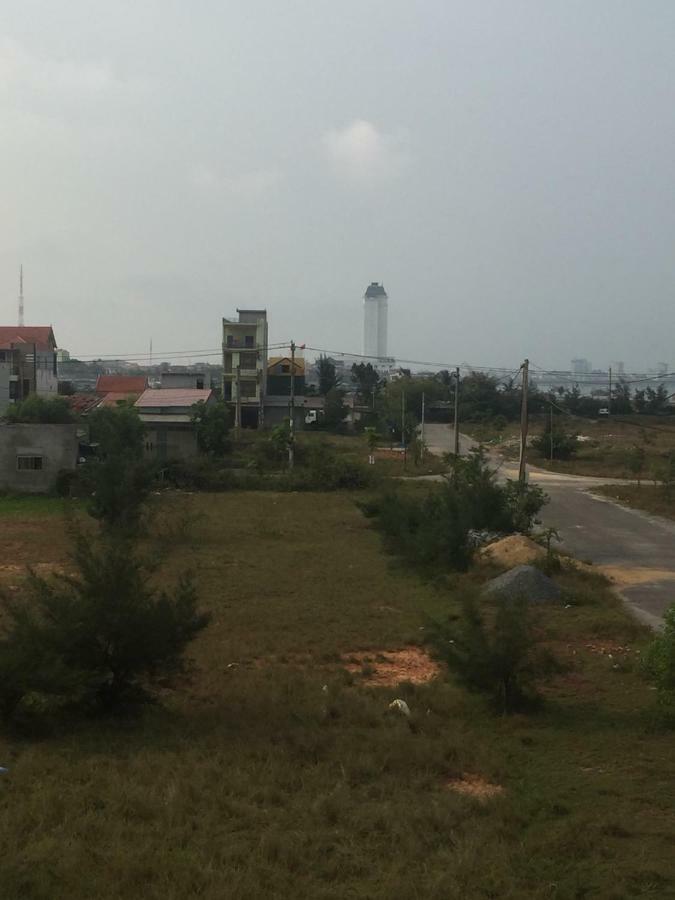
(400, 706)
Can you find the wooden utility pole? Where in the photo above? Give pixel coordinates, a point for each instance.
(291, 437)
(551, 432)
(422, 430)
(609, 398)
(457, 411)
(403, 440)
(237, 407)
(522, 468)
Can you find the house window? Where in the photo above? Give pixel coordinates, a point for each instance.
(247, 388)
(230, 340)
(285, 369)
(248, 360)
(200, 384)
(227, 363)
(29, 463)
(249, 340)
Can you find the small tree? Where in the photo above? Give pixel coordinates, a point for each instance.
(94, 640)
(212, 424)
(635, 460)
(280, 439)
(367, 380)
(328, 379)
(500, 659)
(371, 440)
(335, 411)
(118, 481)
(659, 666)
(564, 443)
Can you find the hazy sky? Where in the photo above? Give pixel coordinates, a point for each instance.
(507, 169)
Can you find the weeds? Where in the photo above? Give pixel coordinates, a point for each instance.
(501, 659)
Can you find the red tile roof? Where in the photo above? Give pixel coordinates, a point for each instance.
(41, 335)
(82, 403)
(167, 397)
(121, 384)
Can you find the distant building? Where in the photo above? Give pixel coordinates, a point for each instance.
(581, 367)
(116, 389)
(375, 306)
(167, 416)
(28, 363)
(245, 366)
(279, 376)
(196, 380)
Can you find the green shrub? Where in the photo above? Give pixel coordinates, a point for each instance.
(38, 410)
(659, 667)
(500, 659)
(565, 444)
(200, 473)
(95, 640)
(435, 529)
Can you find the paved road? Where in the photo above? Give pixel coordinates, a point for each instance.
(441, 439)
(637, 550)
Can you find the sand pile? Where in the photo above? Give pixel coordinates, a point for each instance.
(514, 550)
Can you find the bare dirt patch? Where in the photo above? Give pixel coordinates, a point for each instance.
(628, 576)
(475, 786)
(515, 550)
(386, 668)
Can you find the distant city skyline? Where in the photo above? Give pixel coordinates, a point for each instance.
(506, 170)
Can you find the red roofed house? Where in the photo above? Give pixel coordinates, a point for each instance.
(167, 416)
(27, 363)
(114, 389)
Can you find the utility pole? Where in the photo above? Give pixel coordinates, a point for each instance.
(522, 468)
(237, 408)
(551, 432)
(291, 436)
(457, 412)
(609, 399)
(403, 440)
(422, 432)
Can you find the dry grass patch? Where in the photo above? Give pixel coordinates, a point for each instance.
(475, 786)
(387, 668)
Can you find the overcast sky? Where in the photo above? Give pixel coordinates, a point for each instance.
(506, 168)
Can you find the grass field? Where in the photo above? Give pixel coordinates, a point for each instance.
(648, 497)
(603, 450)
(273, 773)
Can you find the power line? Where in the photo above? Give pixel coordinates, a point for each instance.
(173, 354)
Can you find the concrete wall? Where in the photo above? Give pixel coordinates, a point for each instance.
(170, 441)
(56, 446)
(184, 380)
(5, 372)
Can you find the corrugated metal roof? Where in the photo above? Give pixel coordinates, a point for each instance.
(172, 397)
(121, 384)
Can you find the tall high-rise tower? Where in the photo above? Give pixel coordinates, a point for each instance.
(375, 321)
(21, 297)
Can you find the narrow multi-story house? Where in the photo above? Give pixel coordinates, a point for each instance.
(245, 366)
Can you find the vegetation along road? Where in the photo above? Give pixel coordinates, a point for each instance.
(635, 549)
